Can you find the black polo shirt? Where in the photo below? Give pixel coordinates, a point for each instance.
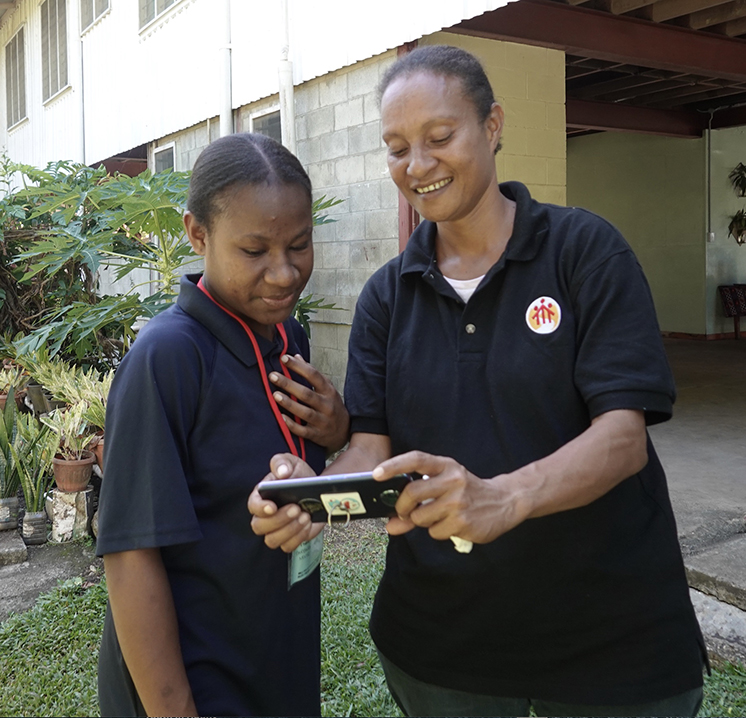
(588, 605)
(189, 433)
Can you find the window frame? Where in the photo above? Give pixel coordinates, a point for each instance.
(23, 112)
(163, 148)
(96, 18)
(157, 14)
(258, 114)
(45, 69)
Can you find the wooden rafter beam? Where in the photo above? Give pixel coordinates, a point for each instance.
(607, 116)
(615, 39)
(733, 93)
(636, 82)
(716, 15)
(620, 7)
(669, 9)
(641, 94)
(621, 85)
(734, 28)
(663, 98)
(7, 5)
(574, 73)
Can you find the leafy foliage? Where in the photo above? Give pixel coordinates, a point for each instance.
(306, 306)
(67, 222)
(9, 437)
(321, 205)
(33, 460)
(737, 226)
(737, 178)
(10, 377)
(70, 427)
(72, 384)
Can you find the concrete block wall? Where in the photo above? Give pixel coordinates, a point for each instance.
(338, 137)
(529, 83)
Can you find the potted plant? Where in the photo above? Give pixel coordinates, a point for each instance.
(9, 476)
(10, 378)
(72, 385)
(737, 178)
(737, 226)
(33, 459)
(73, 462)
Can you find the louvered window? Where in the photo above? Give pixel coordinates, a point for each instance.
(90, 11)
(53, 47)
(15, 79)
(163, 158)
(151, 9)
(268, 125)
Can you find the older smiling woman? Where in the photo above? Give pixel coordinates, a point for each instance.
(511, 353)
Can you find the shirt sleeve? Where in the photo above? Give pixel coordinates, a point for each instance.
(365, 384)
(145, 499)
(621, 362)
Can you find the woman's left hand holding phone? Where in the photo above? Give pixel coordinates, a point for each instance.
(287, 527)
(327, 422)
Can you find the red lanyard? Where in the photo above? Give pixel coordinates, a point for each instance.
(265, 379)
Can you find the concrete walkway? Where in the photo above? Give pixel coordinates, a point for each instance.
(703, 450)
(703, 447)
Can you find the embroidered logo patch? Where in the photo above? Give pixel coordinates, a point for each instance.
(543, 315)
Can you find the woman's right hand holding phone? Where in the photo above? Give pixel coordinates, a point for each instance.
(287, 527)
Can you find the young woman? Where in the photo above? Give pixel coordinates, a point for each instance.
(202, 619)
(511, 353)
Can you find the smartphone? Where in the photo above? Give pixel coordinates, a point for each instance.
(338, 497)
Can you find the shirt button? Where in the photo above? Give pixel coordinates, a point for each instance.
(470, 329)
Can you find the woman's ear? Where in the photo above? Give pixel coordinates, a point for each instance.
(196, 232)
(494, 125)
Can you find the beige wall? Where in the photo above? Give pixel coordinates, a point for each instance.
(653, 190)
(529, 82)
(726, 260)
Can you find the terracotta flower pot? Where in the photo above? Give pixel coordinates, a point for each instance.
(98, 450)
(19, 400)
(73, 474)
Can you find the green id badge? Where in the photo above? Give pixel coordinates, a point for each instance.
(304, 560)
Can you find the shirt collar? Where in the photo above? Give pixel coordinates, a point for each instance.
(222, 326)
(529, 231)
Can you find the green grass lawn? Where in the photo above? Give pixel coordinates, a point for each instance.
(48, 654)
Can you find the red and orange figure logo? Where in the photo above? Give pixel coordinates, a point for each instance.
(543, 315)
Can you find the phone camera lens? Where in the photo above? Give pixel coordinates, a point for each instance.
(390, 496)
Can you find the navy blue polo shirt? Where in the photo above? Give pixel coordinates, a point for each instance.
(589, 605)
(189, 433)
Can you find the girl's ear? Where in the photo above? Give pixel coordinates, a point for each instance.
(196, 232)
(494, 124)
